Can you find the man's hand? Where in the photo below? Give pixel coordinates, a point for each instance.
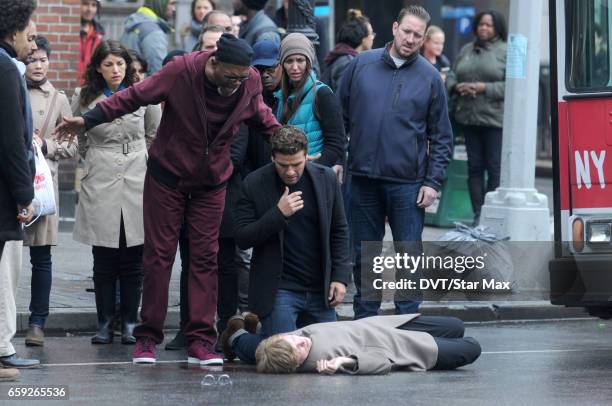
(25, 213)
(339, 172)
(38, 140)
(329, 367)
(337, 290)
(426, 197)
(289, 204)
(69, 128)
(314, 157)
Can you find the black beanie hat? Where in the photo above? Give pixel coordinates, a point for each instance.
(255, 4)
(234, 50)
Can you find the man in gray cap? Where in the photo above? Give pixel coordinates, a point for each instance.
(207, 96)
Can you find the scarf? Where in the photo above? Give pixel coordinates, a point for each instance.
(35, 85)
(340, 50)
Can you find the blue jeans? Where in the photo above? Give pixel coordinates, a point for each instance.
(371, 201)
(283, 319)
(40, 258)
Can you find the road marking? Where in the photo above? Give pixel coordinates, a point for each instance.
(540, 351)
(86, 364)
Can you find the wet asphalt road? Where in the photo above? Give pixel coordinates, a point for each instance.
(543, 363)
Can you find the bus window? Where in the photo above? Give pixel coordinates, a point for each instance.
(588, 51)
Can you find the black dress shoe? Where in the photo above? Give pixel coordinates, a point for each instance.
(13, 361)
(179, 342)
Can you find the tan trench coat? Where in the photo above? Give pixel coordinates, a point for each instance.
(44, 230)
(115, 157)
(375, 342)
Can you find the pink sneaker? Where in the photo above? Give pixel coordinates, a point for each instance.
(199, 353)
(144, 351)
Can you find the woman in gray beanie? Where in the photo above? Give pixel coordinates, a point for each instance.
(309, 104)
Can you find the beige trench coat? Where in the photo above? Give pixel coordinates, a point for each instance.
(44, 230)
(375, 342)
(115, 157)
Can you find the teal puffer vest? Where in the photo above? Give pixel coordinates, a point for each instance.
(304, 117)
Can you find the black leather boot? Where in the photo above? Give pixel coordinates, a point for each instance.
(105, 307)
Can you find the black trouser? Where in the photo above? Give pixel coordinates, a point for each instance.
(454, 350)
(227, 298)
(484, 147)
(1, 248)
(123, 264)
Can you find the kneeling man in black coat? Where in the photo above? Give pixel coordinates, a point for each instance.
(291, 213)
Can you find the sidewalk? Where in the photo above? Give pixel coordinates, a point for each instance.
(72, 306)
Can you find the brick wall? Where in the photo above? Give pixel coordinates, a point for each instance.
(60, 22)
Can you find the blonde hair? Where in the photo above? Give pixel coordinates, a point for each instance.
(274, 355)
(432, 30)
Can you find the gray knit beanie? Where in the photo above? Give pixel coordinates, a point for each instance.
(296, 43)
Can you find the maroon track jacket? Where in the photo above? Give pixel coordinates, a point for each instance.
(183, 145)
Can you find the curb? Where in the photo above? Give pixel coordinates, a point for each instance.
(84, 319)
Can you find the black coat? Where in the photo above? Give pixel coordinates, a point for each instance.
(238, 156)
(260, 224)
(16, 186)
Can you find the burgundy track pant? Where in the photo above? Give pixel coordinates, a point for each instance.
(164, 210)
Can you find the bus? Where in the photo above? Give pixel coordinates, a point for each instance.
(581, 84)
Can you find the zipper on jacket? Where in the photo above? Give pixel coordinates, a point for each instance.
(397, 94)
(375, 170)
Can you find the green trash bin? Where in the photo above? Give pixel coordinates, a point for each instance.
(453, 202)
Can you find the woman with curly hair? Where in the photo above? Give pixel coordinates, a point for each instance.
(109, 215)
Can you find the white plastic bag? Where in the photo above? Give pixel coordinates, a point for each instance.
(44, 193)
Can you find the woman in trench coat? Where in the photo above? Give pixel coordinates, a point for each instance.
(48, 106)
(109, 215)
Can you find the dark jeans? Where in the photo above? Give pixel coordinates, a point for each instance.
(40, 286)
(283, 319)
(371, 201)
(454, 350)
(484, 147)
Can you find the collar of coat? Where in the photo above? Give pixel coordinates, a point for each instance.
(386, 57)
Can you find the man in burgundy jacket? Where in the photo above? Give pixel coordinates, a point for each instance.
(207, 96)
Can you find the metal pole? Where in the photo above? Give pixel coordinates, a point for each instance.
(516, 209)
(301, 19)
